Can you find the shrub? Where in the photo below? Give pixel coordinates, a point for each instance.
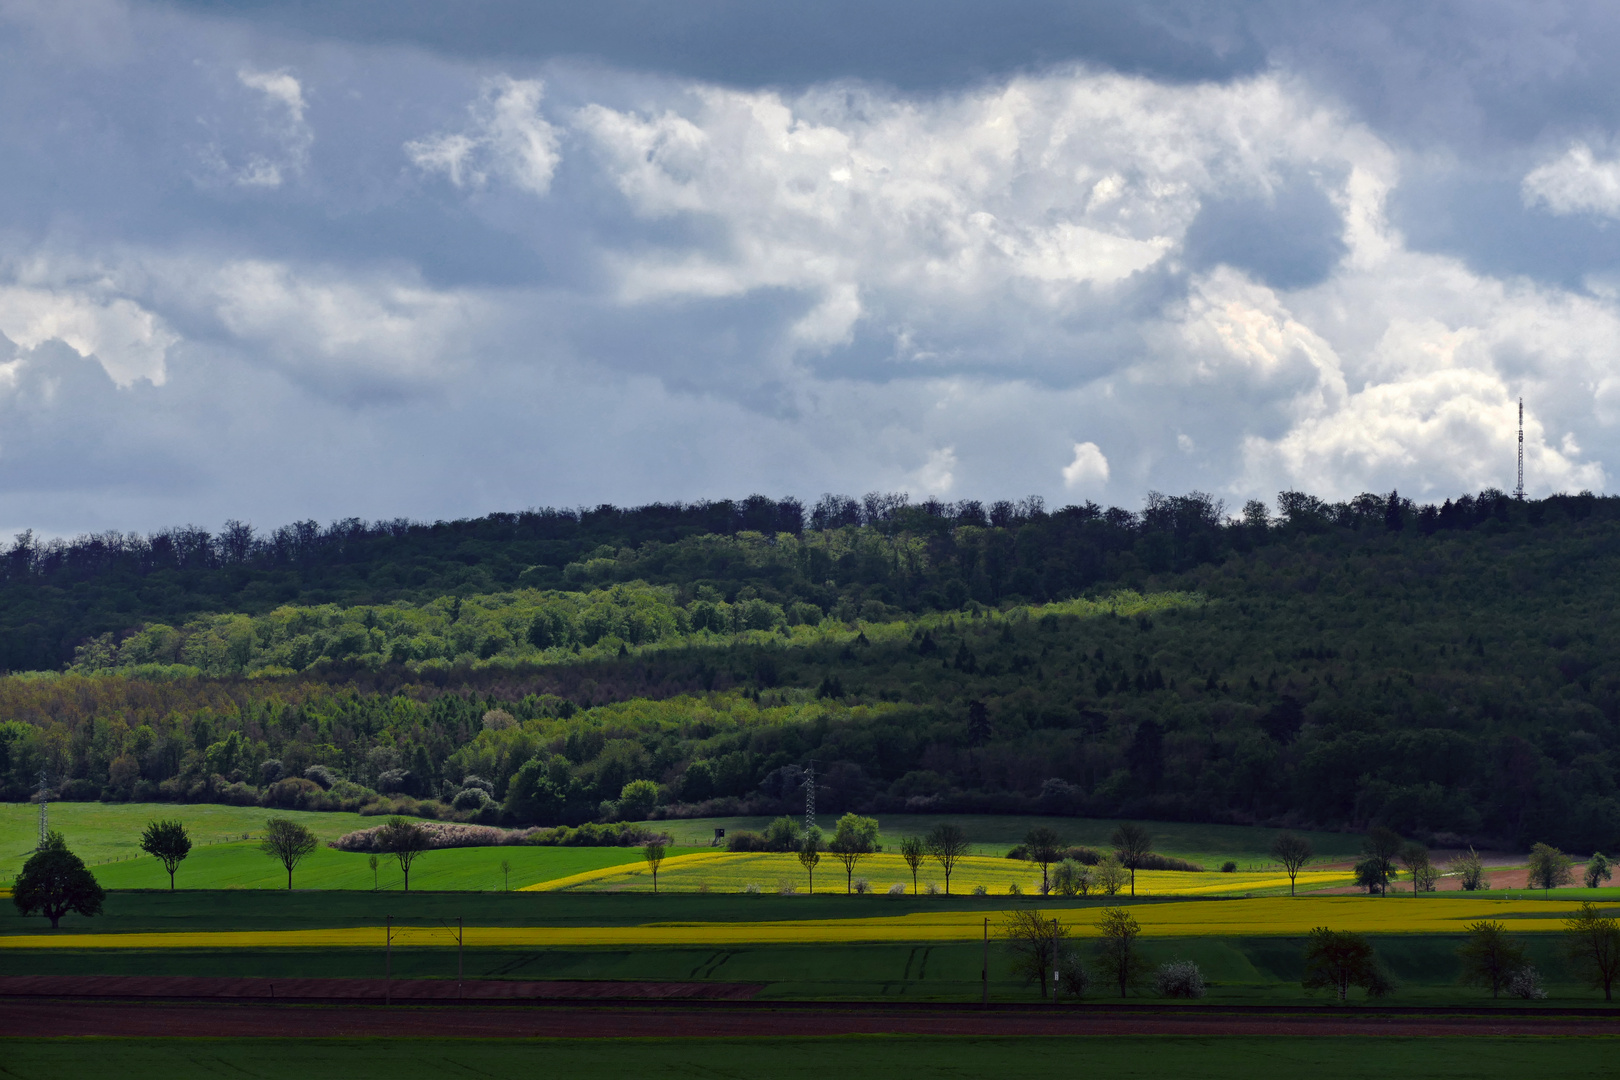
(897, 889)
(751, 889)
(1014, 890)
(980, 890)
(746, 840)
(321, 775)
(786, 888)
(862, 886)
(1073, 979)
(1181, 979)
(932, 889)
(1228, 867)
(472, 799)
(1070, 878)
(473, 781)
(294, 793)
(1526, 983)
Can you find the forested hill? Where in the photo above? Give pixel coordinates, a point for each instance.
(1448, 669)
(843, 555)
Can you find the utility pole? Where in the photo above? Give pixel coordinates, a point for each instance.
(44, 811)
(984, 972)
(1518, 492)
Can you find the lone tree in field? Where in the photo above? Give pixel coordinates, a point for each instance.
(1338, 960)
(1598, 870)
(853, 840)
(1293, 851)
(405, 840)
(1036, 943)
(287, 841)
(1549, 868)
(54, 881)
(1469, 869)
(1489, 957)
(947, 843)
(654, 854)
(1132, 844)
(1592, 942)
(913, 849)
(810, 855)
(1117, 931)
(1415, 857)
(167, 842)
(1043, 845)
(372, 862)
(1377, 866)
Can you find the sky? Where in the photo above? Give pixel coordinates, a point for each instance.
(276, 261)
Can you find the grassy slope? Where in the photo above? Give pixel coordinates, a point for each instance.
(101, 832)
(993, 834)
(1130, 1058)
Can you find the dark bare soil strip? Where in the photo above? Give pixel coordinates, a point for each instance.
(66, 1017)
(370, 990)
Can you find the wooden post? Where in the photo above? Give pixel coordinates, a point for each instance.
(459, 954)
(388, 962)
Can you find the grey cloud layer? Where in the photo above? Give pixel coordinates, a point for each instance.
(264, 274)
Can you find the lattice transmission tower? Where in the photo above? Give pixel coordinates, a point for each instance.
(810, 797)
(1518, 492)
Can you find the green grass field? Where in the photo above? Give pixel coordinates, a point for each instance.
(993, 834)
(1123, 1058)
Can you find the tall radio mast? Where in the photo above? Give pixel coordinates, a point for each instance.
(1518, 492)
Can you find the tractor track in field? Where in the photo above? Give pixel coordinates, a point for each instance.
(662, 1010)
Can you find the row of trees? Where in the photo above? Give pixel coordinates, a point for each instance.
(1336, 961)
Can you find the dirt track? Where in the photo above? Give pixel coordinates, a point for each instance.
(79, 1017)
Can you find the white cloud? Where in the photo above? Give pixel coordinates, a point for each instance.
(1089, 469)
(337, 328)
(1576, 183)
(937, 476)
(130, 342)
(282, 121)
(507, 137)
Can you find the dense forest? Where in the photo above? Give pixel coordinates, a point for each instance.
(1449, 670)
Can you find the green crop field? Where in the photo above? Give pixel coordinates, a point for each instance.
(1120, 1058)
(993, 834)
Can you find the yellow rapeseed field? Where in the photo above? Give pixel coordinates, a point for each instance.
(1265, 916)
(721, 871)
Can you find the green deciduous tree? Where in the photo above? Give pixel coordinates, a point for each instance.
(1035, 942)
(54, 881)
(405, 840)
(1132, 843)
(1489, 957)
(166, 840)
(1549, 868)
(654, 854)
(1115, 948)
(637, 799)
(810, 855)
(1338, 960)
(1592, 942)
(1469, 869)
(288, 842)
(1598, 870)
(947, 843)
(1293, 851)
(913, 849)
(854, 838)
(1415, 857)
(1043, 845)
